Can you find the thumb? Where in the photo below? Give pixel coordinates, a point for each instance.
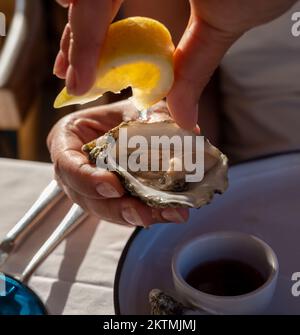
(196, 58)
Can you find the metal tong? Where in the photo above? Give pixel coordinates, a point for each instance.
(47, 200)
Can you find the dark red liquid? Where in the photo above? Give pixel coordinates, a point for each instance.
(225, 278)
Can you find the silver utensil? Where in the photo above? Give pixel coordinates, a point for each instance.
(48, 198)
(17, 284)
(73, 218)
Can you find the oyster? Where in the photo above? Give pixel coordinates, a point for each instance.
(163, 304)
(162, 187)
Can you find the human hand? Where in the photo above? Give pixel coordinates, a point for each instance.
(96, 190)
(81, 41)
(213, 27)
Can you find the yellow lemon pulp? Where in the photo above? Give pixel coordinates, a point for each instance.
(137, 52)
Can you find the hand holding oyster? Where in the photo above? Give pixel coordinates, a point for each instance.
(138, 53)
(164, 186)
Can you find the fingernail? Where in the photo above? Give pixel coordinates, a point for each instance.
(172, 215)
(72, 80)
(107, 191)
(131, 216)
(197, 130)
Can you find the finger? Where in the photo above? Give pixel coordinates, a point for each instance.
(116, 4)
(111, 209)
(127, 210)
(75, 197)
(61, 63)
(109, 116)
(79, 128)
(89, 21)
(65, 142)
(75, 171)
(131, 211)
(73, 167)
(175, 215)
(196, 58)
(134, 212)
(104, 118)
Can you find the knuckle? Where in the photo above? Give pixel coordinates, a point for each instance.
(73, 124)
(78, 121)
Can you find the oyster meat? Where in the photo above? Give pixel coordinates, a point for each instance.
(162, 187)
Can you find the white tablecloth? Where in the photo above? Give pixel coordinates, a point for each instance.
(77, 278)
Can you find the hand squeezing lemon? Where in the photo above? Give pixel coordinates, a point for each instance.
(137, 53)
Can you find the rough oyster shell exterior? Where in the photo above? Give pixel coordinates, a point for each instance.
(214, 181)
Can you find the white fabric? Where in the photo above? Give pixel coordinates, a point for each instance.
(77, 278)
(260, 81)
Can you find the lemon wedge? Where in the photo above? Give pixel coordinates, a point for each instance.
(137, 53)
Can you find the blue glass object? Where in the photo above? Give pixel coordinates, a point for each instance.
(17, 299)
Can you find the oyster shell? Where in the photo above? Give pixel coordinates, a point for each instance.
(163, 304)
(164, 187)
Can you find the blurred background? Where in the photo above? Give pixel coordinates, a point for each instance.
(249, 109)
(27, 84)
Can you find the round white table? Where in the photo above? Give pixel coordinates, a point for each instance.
(77, 278)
